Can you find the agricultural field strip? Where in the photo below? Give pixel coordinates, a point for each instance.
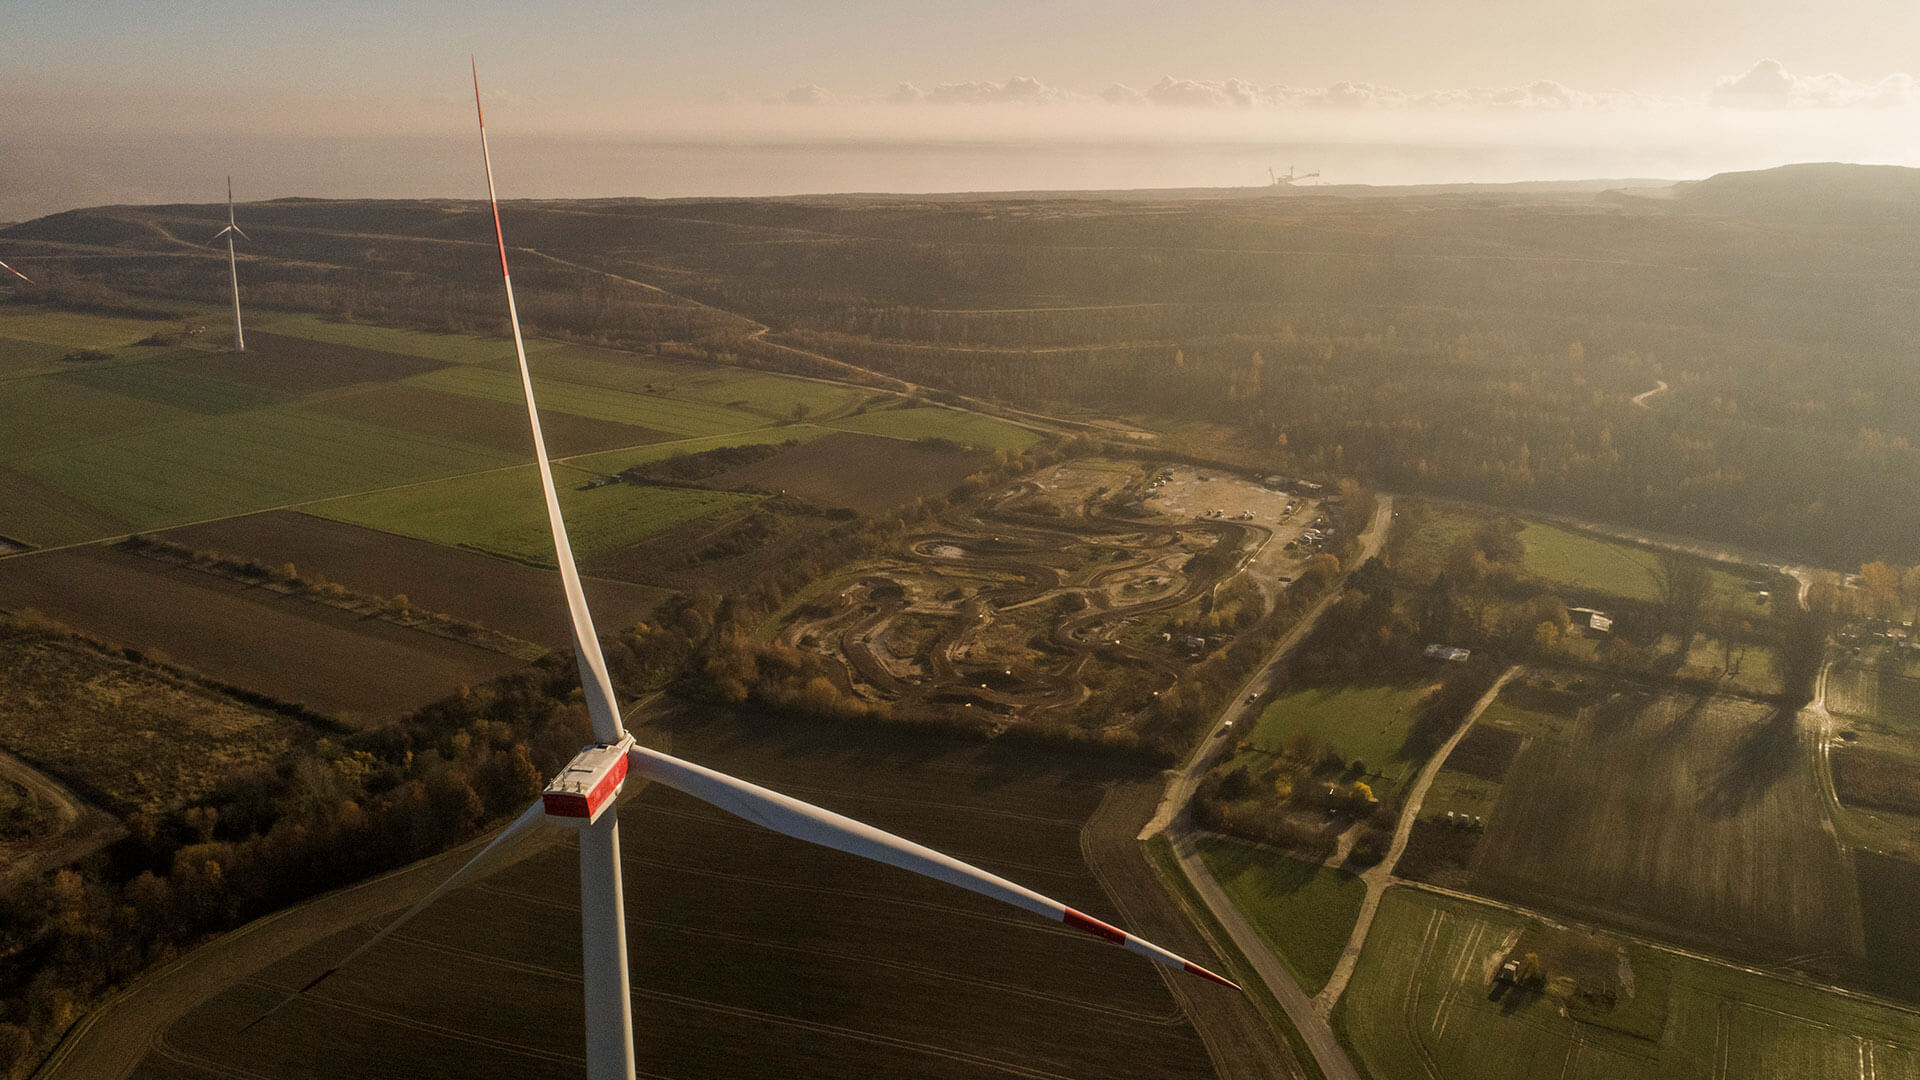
(1379, 877)
(1775, 974)
(386, 488)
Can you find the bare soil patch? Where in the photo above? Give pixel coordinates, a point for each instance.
(506, 596)
(1891, 921)
(859, 472)
(1694, 817)
(1486, 752)
(359, 670)
(300, 366)
(1876, 778)
(498, 424)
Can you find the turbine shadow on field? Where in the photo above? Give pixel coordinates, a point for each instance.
(1764, 756)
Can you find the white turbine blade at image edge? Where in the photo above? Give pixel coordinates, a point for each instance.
(16, 273)
(594, 681)
(804, 821)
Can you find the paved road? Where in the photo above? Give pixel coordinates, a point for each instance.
(84, 829)
(1171, 819)
(1381, 875)
(1239, 710)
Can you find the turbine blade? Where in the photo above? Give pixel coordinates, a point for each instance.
(594, 681)
(16, 273)
(534, 813)
(815, 825)
(238, 231)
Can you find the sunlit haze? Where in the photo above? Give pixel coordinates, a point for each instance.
(125, 102)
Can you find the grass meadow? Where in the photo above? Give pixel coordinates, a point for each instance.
(1419, 1006)
(500, 512)
(1365, 723)
(1304, 910)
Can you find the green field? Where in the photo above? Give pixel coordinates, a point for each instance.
(171, 385)
(612, 461)
(19, 357)
(1365, 723)
(1418, 1006)
(148, 440)
(1304, 910)
(1581, 561)
(37, 415)
(74, 330)
(671, 415)
(501, 513)
(232, 464)
(968, 428)
(451, 348)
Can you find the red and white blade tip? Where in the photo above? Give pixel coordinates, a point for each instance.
(16, 273)
(1085, 923)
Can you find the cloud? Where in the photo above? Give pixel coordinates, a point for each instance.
(1766, 85)
(1019, 90)
(809, 94)
(1769, 85)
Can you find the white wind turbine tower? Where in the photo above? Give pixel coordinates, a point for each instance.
(233, 267)
(584, 796)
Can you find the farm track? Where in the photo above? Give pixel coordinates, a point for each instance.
(83, 828)
(1242, 1043)
(1380, 876)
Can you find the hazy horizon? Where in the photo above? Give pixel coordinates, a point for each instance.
(119, 103)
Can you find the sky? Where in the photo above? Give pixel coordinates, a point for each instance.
(125, 101)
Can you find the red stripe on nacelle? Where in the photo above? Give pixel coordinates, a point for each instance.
(1094, 926)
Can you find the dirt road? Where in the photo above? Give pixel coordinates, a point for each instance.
(84, 829)
(1381, 876)
(1640, 399)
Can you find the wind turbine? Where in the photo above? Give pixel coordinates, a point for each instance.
(16, 273)
(583, 795)
(232, 230)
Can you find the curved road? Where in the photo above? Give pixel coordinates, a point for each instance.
(83, 829)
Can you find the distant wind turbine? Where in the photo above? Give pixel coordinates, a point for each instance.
(16, 273)
(584, 794)
(233, 267)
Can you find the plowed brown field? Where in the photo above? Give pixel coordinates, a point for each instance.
(1697, 818)
(331, 661)
(506, 596)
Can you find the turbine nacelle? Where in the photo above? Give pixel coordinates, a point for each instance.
(588, 785)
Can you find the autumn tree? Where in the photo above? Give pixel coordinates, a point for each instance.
(1681, 583)
(1882, 585)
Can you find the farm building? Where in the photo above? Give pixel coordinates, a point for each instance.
(1590, 619)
